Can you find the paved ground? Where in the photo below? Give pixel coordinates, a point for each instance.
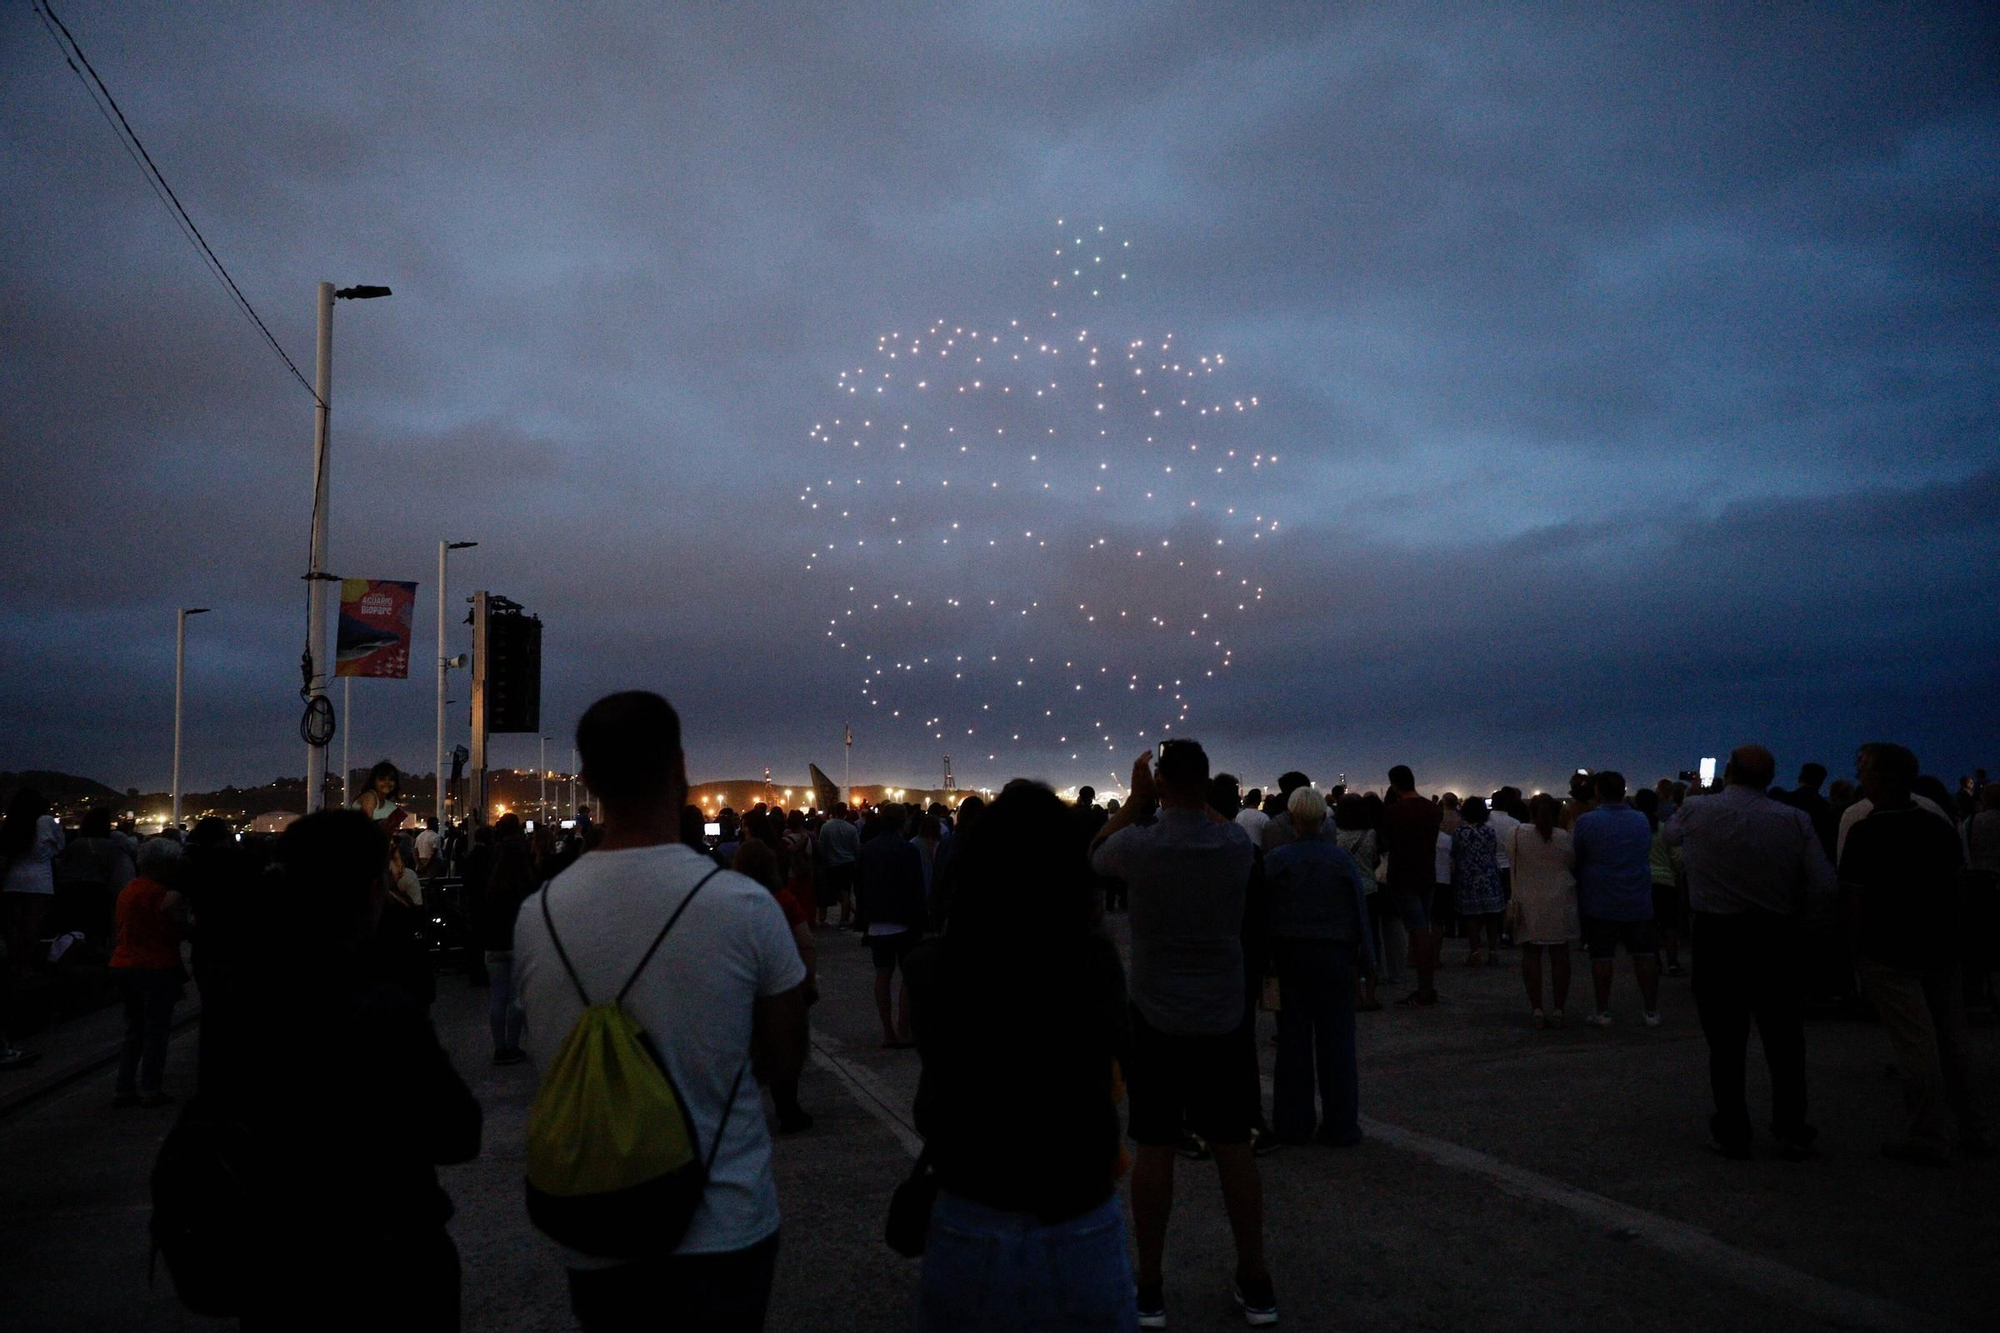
(1512, 1178)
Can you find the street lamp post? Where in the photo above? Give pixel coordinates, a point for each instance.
(180, 682)
(346, 735)
(443, 665)
(317, 578)
(543, 810)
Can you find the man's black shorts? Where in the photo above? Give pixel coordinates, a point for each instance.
(1640, 939)
(1181, 1082)
(890, 950)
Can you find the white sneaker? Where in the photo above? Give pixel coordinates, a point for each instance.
(1599, 1020)
(1652, 1020)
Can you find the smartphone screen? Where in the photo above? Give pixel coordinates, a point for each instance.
(712, 830)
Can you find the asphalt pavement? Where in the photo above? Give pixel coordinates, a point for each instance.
(1510, 1178)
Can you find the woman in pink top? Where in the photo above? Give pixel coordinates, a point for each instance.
(151, 920)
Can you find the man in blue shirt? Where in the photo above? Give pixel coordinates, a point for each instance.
(1614, 895)
(1319, 939)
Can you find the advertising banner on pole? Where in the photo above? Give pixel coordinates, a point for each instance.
(375, 619)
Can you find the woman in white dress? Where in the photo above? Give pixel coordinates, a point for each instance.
(1544, 906)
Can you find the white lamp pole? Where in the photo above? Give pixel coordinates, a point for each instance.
(180, 683)
(317, 577)
(443, 664)
(543, 812)
(346, 734)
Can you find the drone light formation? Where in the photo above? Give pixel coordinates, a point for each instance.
(1037, 533)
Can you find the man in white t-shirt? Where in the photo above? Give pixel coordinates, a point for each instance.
(722, 1000)
(1252, 817)
(427, 848)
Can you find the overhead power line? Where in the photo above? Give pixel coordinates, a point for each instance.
(128, 138)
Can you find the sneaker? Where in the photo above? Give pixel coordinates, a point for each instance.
(1676, 970)
(1153, 1306)
(1652, 1020)
(509, 1057)
(1263, 1142)
(1797, 1149)
(10, 1058)
(1193, 1147)
(1541, 1019)
(1734, 1152)
(1256, 1301)
(1599, 1020)
(1555, 1018)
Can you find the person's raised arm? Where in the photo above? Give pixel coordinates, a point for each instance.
(1142, 792)
(1675, 828)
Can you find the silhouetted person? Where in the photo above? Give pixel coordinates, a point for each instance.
(1019, 1033)
(1318, 922)
(1752, 863)
(1900, 872)
(1407, 834)
(351, 1099)
(1188, 873)
(893, 914)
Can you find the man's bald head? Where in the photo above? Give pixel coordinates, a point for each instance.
(1751, 766)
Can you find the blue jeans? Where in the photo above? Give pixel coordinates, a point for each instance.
(1315, 1031)
(503, 1012)
(989, 1270)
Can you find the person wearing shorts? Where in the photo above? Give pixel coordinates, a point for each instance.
(1639, 939)
(1181, 1082)
(889, 890)
(1189, 877)
(1614, 893)
(889, 951)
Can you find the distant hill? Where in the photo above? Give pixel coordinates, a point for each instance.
(60, 788)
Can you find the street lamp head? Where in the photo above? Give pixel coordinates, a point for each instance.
(194, 610)
(459, 546)
(361, 293)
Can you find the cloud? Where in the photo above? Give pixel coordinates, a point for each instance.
(1631, 371)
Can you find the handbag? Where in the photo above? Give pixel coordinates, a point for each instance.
(910, 1209)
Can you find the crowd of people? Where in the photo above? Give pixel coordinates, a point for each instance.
(1043, 1052)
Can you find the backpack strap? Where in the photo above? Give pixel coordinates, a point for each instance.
(570, 968)
(561, 952)
(659, 938)
(722, 1126)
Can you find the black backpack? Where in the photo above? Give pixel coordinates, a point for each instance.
(204, 1222)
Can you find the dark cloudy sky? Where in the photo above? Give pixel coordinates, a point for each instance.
(1634, 371)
